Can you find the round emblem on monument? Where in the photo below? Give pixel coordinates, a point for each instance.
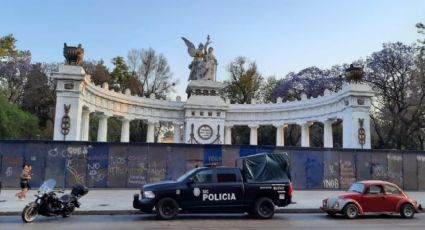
(205, 132)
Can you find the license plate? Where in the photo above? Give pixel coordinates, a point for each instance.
(281, 196)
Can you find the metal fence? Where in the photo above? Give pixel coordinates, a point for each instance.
(130, 165)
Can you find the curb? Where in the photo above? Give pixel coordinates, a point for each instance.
(136, 212)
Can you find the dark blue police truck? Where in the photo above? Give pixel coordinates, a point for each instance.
(256, 185)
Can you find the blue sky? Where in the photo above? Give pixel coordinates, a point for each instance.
(280, 35)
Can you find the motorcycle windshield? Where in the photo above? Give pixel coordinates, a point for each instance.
(47, 186)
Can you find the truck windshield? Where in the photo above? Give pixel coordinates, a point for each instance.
(186, 175)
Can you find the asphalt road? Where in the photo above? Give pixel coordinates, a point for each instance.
(228, 222)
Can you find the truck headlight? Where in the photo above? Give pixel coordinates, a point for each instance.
(149, 194)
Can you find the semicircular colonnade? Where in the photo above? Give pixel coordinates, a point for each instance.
(204, 110)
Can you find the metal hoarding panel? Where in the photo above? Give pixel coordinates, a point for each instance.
(379, 166)
(363, 165)
(229, 154)
(157, 160)
(331, 170)
(12, 157)
(212, 155)
(410, 171)
(118, 165)
(137, 165)
(347, 169)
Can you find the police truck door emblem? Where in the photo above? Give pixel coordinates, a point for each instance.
(196, 192)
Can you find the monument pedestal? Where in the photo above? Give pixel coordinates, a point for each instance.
(204, 113)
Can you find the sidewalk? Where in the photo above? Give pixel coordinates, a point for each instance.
(112, 201)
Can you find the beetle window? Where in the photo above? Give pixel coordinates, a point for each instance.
(357, 187)
(375, 189)
(392, 190)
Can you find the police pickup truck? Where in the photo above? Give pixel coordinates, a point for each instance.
(257, 185)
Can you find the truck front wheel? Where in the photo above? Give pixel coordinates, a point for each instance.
(167, 208)
(264, 208)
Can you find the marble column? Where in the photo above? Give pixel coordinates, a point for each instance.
(253, 139)
(102, 131)
(280, 134)
(228, 134)
(85, 120)
(327, 134)
(305, 134)
(177, 133)
(125, 129)
(151, 132)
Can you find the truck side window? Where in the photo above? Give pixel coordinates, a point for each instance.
(226, 177)
(204, 176)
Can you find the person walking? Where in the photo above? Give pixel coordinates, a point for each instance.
(25, 178)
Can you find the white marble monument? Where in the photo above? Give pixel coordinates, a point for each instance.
(206, 118)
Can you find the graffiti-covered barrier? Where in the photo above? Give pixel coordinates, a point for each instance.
(130, 165)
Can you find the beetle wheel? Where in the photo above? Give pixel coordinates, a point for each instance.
(350, 211)
(407, 211)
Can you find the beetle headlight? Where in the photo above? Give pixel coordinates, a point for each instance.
(149, 194)
(336, 205)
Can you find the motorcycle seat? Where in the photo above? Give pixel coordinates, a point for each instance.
(65, 198)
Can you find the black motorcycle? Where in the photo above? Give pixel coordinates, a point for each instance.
(48, 203)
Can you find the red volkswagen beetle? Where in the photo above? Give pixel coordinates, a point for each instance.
(371, 196)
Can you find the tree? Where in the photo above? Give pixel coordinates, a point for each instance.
(98, 71)
(119, 75)
(243, 86)
(14, 69)
(151, 74)
(7, 46)
(266, 90)
(399, 107)
(421, 30)
(310, 81)
(15, 123)
(420, 71)
(39, 98)
(245, 81)
(152, 71)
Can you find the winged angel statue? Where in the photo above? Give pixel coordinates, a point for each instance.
(204, 64)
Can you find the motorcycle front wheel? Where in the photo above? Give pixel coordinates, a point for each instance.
(68, 210)
(29, 213)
